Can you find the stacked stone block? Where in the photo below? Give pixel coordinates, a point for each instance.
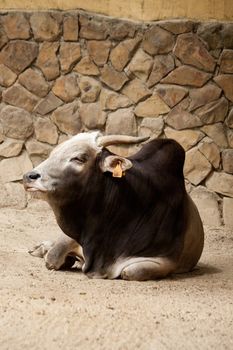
(62, 73)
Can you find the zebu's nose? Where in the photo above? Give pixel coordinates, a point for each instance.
(31, 176)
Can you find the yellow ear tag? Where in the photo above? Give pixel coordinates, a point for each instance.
(117, 171)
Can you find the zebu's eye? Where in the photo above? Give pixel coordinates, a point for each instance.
(80, 159)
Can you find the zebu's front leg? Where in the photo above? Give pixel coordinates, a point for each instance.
(61, 253)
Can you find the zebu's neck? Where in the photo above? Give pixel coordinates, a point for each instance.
(96, 208)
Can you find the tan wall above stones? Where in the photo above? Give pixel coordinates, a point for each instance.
(143, 10)
(66, 72)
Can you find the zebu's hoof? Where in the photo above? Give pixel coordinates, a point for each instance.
(41, 249)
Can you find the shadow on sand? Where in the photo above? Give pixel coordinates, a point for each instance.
(199, 270)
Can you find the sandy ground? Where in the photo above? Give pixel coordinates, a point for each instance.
(43, 309)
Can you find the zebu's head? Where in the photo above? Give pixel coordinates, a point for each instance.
(72, 161)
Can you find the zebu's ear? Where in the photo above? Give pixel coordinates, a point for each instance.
(116, 165)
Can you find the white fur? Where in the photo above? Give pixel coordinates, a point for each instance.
(79, 140)
(116, 270)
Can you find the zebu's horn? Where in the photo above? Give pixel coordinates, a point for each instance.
(108, 140)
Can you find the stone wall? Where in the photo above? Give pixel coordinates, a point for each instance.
(66, 72)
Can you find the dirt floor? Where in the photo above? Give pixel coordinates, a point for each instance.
(42, 309)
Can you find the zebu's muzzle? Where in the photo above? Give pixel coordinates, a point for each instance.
(32, 183)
